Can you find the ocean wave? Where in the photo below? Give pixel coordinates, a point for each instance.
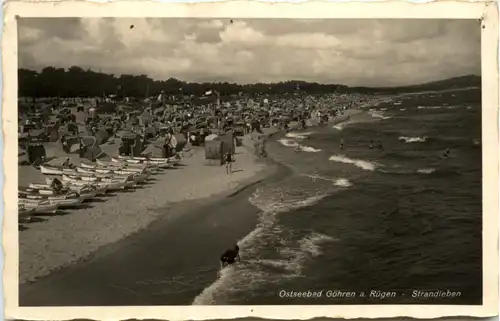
(299, 147)
(366, 165)
(298, 135)
(402, 109)
(340, 126)
(380, 115)
(417, 139)
(254, 270)
(311, 244)
(288, 142)
(426, 170)
(309, 149)
(342, 182)
(429, 107)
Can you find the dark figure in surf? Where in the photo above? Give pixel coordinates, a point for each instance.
(341, 143)
(371, 144)
(230, 256)
(379, 145)
(303, 123)
(446, 153)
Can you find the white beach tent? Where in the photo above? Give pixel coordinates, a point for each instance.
(211, 137)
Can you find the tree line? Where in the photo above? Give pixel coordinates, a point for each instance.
(77, 82)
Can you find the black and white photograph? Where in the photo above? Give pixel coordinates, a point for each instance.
(250, 161)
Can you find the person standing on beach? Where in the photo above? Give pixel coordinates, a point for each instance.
(229, 162)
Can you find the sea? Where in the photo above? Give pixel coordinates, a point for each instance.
(369, 225)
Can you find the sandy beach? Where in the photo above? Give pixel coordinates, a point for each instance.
(61, 240)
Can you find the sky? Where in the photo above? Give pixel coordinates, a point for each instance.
(353, 52)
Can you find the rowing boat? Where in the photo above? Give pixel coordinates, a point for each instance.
(111, 184)
(40, 206)
(86, 192)
(115, 167)
(61, 201)
(160, 164)
(150, 167)
(137, 177)
(173, 160)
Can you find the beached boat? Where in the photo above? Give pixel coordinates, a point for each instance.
(111, 184)
(160, 164)
(173, 160)
(24, 212)
(115, 167)
(110, 170)
(40, 206)
(47, 169)
(59, 170)
(61, 201)
(46, 192)
(85, 191)
(76, 185)
(137, 177)
(121, 164)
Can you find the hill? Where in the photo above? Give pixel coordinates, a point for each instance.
(446, 84)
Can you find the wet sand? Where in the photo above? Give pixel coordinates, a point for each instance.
(168, 263)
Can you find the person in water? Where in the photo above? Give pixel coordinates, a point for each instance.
(341, 143)
(379, 145)
(371, 144)
(446, 153)
(230, 256)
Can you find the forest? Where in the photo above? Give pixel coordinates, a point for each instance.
(78, 82)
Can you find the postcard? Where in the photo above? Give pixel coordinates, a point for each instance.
(247, 159)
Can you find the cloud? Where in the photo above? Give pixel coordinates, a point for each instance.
(353, 52)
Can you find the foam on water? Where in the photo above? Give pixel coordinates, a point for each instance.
(429, 107)
(366, 165)
(342, 182)
(426, 170)
(417, 139)
(309, 149)
(253, 271)
(311, 244)
(298, 135)
(377, 114)
(288, 142)
(340, 126)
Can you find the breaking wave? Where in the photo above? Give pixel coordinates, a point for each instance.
(342, 182)
(341, 125)
(292, 143)
(429, 107)
(254, 270)
(380, 115)
(366, 165)
(309, 149)
(298, 135)
(417, 139)
(426, 170)
(288, 142)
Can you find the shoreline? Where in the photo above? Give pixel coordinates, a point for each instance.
(78, 235)
(209, 216)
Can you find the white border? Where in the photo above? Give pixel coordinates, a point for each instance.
(242, 9)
